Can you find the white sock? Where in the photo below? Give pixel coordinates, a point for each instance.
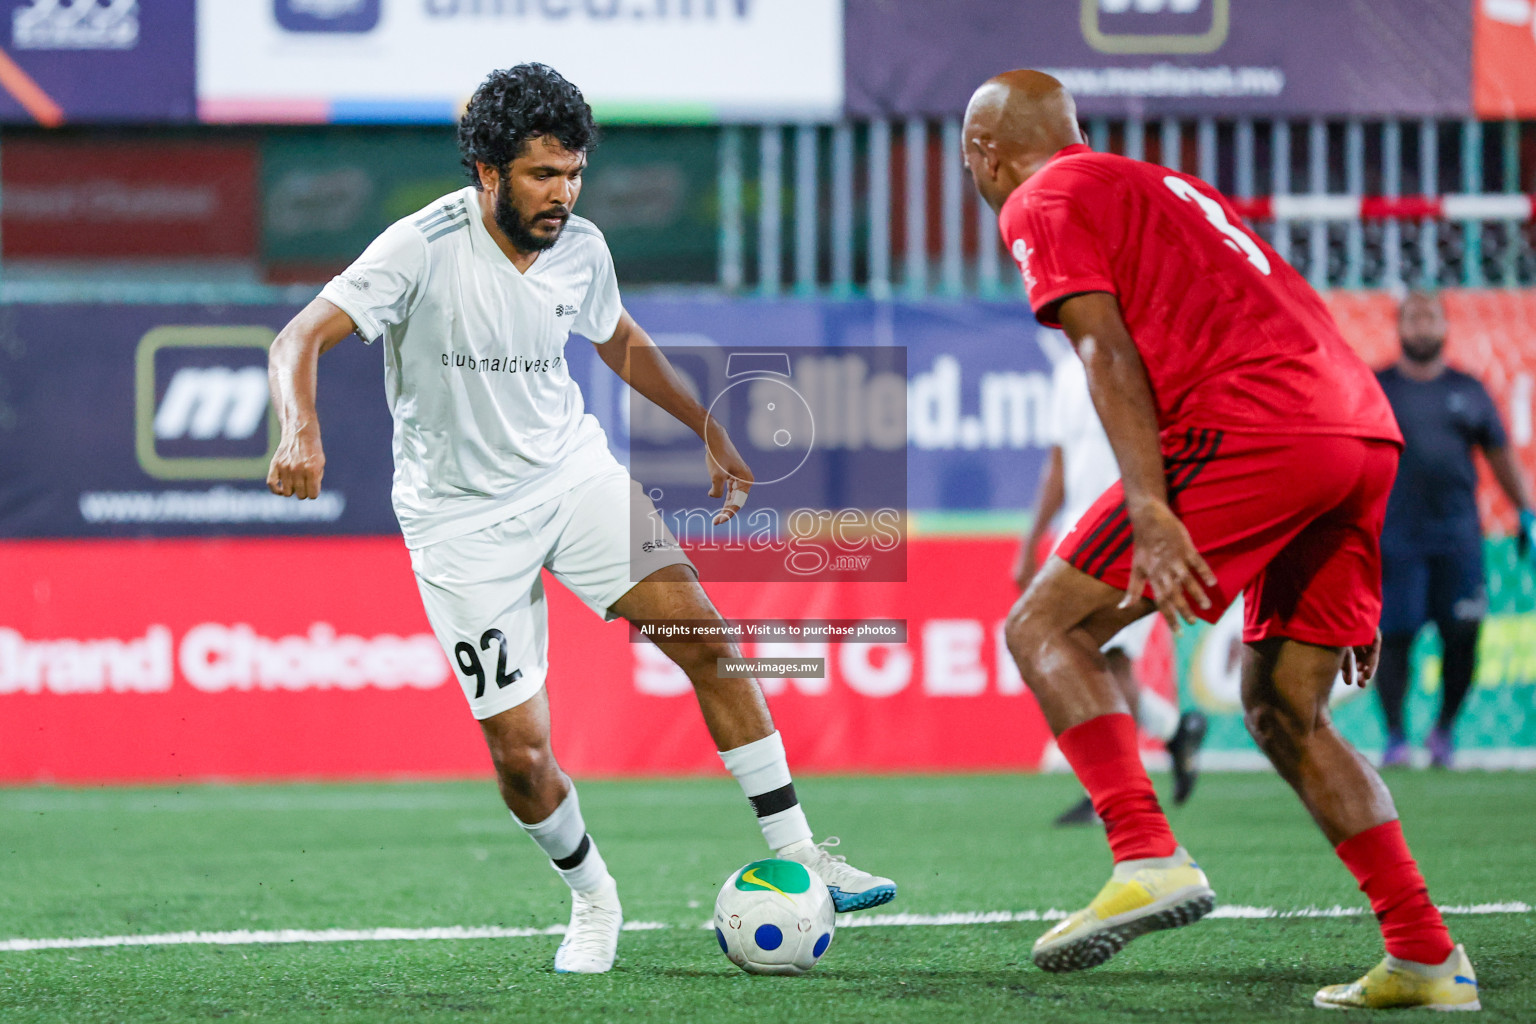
(763, 771)
(572, 853)
(1156, 715)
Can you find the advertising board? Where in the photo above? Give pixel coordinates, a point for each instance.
(161, 415)
(160, 621)
(1364, 58)
(143, 396)
(109, 199)
(304, 658)
(185, 659)
(1504, 58)
(97, 61)
(163, 411)
(326, 195)
(312, 658)
(396, 61)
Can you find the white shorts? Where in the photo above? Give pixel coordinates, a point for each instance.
(484, 592)
(1132, 640)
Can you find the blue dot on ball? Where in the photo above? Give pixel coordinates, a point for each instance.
(821, 945)
(768, 936)
(721, 936)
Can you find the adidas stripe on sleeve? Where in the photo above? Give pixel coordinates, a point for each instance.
(383, 285)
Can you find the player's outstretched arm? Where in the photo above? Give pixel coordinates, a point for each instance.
(632, 355)
(292, 365)
(1164, 557)
(1512, 483)
(1048, 502)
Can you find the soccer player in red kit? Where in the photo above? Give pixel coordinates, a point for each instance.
(1256, 453)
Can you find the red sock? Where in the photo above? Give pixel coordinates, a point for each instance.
(1410, 924)
(1104, 754)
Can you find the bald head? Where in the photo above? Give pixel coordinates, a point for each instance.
(1014, 123)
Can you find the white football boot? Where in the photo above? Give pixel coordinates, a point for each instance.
(850, 888)
(592, 938)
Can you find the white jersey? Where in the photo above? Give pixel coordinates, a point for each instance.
(488, 422)
(1088, 464)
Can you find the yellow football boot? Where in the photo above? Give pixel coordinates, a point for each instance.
(1141, 896)
(1395, 984)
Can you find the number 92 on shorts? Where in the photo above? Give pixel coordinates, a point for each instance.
(484, 591)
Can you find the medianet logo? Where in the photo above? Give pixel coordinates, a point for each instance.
(201, 410)
(353, 16)
(1156, 26)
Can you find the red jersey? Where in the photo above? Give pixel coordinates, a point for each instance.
(1233, 338)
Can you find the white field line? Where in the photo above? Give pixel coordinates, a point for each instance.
(294, 935)
(289, 935)
(1235, 911)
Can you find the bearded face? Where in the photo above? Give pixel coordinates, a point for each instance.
(534, 193)
(530, 230)
(1421, 328)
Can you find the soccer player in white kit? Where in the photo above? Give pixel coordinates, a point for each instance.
(1080, 467)
(499, 472)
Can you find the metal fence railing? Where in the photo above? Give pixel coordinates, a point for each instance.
(880, 208)
(884, 208)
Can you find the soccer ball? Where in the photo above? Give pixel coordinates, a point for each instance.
(774, 917)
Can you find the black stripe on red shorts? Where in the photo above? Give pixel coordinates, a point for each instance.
(1112, 537)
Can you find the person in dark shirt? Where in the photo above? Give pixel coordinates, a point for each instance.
(1432, 543)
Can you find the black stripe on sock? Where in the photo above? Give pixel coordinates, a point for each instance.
(774, 801)
(575, 859)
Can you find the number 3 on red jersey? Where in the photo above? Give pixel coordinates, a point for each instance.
(1236, 237)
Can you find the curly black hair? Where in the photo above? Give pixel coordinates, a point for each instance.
(517, 104)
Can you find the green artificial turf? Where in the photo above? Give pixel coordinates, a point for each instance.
(118, 861)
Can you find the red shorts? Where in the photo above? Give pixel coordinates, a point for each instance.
(1291, 522)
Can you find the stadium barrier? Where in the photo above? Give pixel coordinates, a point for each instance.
(876, 207)
(161, 618)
